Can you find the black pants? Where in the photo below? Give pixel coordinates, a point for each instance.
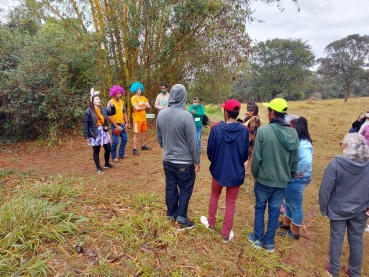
(95, 155)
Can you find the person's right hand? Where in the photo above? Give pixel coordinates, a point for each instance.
(197, 167)
(361, 117)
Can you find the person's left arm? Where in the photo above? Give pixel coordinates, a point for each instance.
(146, 104)
(192, 140)
(246, 150)
(305, 157)
(294, 163)
(209, 149)
(159, 135)
(201, 111)
(256, 155)
(125, 116)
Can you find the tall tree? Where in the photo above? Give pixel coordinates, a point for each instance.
(347, 59)
(162, 40)
(280, 65)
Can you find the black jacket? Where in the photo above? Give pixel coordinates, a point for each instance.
(90, 122)
(357, 124)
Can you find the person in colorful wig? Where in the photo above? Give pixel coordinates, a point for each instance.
(118, 121)
(139, 104)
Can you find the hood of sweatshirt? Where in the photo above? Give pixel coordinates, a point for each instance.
(177, 97)
(353, 167)
(286, 135)
(230, 131)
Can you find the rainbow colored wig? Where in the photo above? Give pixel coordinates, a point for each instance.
(135, 87)
(116, 89)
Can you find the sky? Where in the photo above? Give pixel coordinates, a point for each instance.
(319, 22)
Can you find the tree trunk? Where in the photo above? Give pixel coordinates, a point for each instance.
(274, 94)
(348, 85)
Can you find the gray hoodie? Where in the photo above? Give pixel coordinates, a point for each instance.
(344, 191)
(176, 131)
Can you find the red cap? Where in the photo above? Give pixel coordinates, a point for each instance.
(231, 105)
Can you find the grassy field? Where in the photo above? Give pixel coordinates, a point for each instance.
(72, 225)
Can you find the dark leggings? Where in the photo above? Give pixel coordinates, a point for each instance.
(95, 155)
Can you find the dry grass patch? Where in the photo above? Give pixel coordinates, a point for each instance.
(127, 233)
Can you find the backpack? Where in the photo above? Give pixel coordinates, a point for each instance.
(205, 120)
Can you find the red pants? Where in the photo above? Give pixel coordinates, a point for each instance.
(231, 197)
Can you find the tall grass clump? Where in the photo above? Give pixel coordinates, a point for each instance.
(30, 222)
(26, 222)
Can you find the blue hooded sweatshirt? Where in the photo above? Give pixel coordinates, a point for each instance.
(228, 149)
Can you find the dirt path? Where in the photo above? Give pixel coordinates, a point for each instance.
(74, 158)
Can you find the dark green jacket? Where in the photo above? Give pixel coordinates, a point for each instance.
(275, 157)
(199, 114)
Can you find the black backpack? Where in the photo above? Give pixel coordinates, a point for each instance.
(205, 120)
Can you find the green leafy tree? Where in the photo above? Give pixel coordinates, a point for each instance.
(45, 81)
(280, 66)
(346, 60)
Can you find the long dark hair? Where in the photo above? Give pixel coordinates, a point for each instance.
(253, 108)
(92, 106)
(302, 130)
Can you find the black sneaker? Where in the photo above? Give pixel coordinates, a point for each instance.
(109, 166)
(184, 226)
(100, 171)
(145, 148)
(282, 226)
(289, 234)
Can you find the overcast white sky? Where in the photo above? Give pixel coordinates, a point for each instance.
(319, 22)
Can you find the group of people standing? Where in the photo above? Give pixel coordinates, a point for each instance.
(280, 154)
(273, 149)
(96, 128)
(97, 118)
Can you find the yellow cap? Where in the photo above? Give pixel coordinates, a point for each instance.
(277, 104)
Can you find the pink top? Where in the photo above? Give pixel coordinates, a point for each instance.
(365, 133)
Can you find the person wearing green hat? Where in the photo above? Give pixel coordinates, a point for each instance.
(274, 164)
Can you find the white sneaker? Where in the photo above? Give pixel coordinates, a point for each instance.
(205, 222)
(231, 236)
(367, 229)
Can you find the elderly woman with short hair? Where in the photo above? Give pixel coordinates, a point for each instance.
(344, 200)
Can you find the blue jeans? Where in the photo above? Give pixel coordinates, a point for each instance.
(274, 197)
(115, 141)
(180, 180)
(294, 196)
(198, 136)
